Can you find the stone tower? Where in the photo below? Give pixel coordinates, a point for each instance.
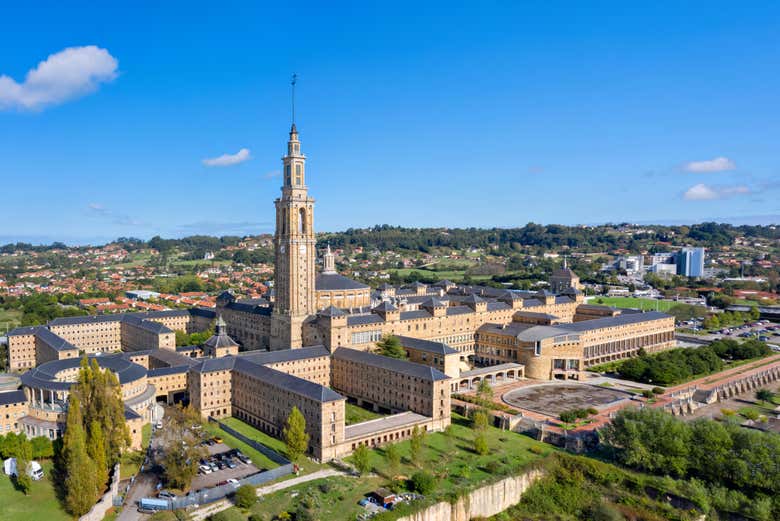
(294, 252)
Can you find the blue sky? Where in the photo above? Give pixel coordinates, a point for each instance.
(420, 114)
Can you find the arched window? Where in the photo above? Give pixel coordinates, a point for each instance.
(302, 221)
(298, 176)
(288, 175)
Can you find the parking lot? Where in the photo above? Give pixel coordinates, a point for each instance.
(222, 465)
(763, 330)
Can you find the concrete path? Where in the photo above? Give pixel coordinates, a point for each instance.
(202, 513)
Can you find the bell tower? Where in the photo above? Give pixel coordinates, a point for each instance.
(294, 252)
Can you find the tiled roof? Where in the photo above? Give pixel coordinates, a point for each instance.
(286, 355)
(288, 382)
(426, 345)
(9, 397)
(620, 320)
(334, 281)
(356, 320)
(412, 315)
(421, 371)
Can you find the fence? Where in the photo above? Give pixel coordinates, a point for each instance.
(270, 453)
(210, 495)
(98, 511)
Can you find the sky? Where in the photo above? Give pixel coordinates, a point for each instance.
(165, 118)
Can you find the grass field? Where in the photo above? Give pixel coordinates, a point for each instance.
(259, 459)
(356, 414)
(449, 457)
(645, 304)
(452, 275)
(41, 504)
(9, 319)
(132, 460)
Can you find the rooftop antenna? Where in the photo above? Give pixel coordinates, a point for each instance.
(292, 82)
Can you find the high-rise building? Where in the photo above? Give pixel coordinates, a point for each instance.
(690, 262)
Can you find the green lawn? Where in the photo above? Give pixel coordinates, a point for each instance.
(41, 504)
(356, 414)
(9, 319)
(645, 304)
(450, 458)
(132, 460)
(259, 459)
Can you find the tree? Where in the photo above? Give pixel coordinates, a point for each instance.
(295, 436)
(361, 459)
(423, 482)
(181, 457)
(754, 313)
(80, 484)
(391, 346)
(393, 457)
(484, 392)
(42, 447)
(481, 446)
(96, 448)
(764, 395)
(246, 496)
(416, 445)
(480, 420)
(23, 458)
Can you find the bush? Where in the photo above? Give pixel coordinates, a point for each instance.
(568, 417)
(481, 445)
(659, 390)
(423, 482)
(257, 517)
(592, 410)
(647, 393)
(246, 496)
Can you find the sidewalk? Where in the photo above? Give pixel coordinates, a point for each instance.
(202, 513)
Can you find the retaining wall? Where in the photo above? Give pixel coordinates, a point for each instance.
(98, 511)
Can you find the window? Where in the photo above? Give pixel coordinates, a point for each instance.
(298, 174)
(288, 175)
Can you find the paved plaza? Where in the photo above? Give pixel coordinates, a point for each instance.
(552, 399)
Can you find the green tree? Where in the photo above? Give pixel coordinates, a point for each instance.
(361, 459)
(484, 392)
(23, 458)
(481, 446)
(480, 420)
(42, 447)
(424, 482)
(764, 395)
(416, 445)
(80, 484)
(245, 497)
(754, 313)
(393, 457)
(96, 448)
(391, 346)
(181, 456)
(295, 436)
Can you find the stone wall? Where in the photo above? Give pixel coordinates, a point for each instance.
(483, 502)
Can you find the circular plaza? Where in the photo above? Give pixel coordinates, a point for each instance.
(551, 399)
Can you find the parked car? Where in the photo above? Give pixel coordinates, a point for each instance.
(234, 482)
(231, 463)
(206, 469)
(166, 494)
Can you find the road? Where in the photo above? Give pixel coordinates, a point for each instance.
(202, 513)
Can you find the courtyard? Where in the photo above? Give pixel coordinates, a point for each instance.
(552, 399)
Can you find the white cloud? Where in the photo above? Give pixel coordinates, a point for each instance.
(719, 164)
(229, 159)
(702, 192)
(65, 75)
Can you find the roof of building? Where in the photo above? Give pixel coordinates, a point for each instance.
(523, 332)
(9, 397)
(334, 281)
(55, 342)
(45, 375)
(168, 357)
(331, 311)
(619, 320)
(21, 331)
(210, 365)
(357, 320)
(459, 310)
(426, 345)
(534, 314)
(131, 414)
(414, 314)
(291, 383)
(286, 355)
(164, 371)
(420, 371)
(385, 306)
(433, 302)
(249, 307)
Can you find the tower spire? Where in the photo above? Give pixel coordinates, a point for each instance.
(292, 99)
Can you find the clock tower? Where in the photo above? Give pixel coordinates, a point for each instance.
(294, 249)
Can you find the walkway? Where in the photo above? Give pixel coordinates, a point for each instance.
(202, 513)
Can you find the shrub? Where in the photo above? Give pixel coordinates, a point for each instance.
(647, 393)
(592, 410)
(581, 414)
(659, 390)
(480, 444)
(493, 467)
(423, 482)
(568, 416)
(257, 517)
(750, 414)
(245, 496)
(535, 449)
